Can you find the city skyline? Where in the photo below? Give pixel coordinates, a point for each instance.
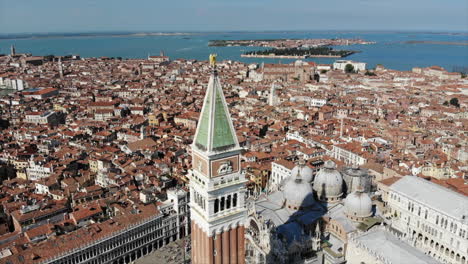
(99, 16)
(234, 132)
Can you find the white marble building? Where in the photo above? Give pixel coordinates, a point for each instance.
(431, 217)
(380, 246)
(280, 170)
(341, 65)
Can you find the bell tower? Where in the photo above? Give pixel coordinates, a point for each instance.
(217, 205)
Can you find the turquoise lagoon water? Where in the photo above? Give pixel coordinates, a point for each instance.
(391, 49)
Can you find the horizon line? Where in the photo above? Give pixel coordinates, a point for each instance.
(233, 31)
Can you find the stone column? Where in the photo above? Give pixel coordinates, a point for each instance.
(197, 245)
(240, 245)
(219, 249)
(226, 246)
(203, 246)
(192, 252)
(210, 250)
(233, 243)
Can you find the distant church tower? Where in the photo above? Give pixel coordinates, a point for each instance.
(60, 66)
(217, 205)
(272, 99)
(142, 132)
(12, 50)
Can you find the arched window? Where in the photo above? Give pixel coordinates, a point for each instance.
(228, 202)
(216, 206)
(234, 200)
(222, 204)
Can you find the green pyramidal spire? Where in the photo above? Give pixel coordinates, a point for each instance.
(215, 131)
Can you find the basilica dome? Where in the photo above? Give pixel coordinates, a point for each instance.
(358, 205)
(298, 193)
(328, 183)
(304, 171)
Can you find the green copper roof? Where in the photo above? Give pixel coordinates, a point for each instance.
(204, 122)
(215, 131)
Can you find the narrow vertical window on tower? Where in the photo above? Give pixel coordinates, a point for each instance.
(234, 200)
(222, 203)
(228, 202)
(216, 206)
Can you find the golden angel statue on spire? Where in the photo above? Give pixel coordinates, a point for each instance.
(213, 59)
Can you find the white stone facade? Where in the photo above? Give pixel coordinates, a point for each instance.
(347, 156)
(136, 241)
(279, 172)
(36, 171)
(41, 118)
(341, 65)
(433, 218)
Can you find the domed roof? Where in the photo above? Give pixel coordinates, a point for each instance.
(358, 204)
(354, 171)
(304, 171)
(328, 181)
(297, 192)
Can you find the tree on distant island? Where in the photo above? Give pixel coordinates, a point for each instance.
(369, 73)
(323, 51)
(349, 68)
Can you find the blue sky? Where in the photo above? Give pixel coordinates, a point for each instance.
(24, 16)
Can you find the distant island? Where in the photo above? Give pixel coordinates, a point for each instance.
(299, 53)
(288, 43)
(93, 34)
(436, 42)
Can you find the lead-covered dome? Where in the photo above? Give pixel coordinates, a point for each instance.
(358, 205)
(328, 183)
(304, 171)
(355, 178)
(298, 193)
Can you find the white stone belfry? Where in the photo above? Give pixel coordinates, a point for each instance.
(217, 205)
